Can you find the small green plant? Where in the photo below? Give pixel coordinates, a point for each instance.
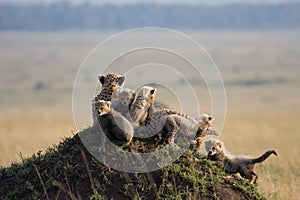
(96, 196)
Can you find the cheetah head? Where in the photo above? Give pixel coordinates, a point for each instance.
(216, 149)
(112, 84)
(148, 94)
(143, 101)
(126, 96)
(205, 121)
(103, 107)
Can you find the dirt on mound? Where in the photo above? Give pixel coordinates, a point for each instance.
(68, 171)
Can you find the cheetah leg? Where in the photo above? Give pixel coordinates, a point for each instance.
(172, 129)
(200, 134)
(254, 178)
(250, 175)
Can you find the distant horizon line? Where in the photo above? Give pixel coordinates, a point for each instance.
(207, 3)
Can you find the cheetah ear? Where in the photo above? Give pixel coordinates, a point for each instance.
(219, 143)
(121, 80)
(133, 95)
(101, 79)
(152, 91)
(211, 118)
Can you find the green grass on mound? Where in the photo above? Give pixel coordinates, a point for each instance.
(68, 171)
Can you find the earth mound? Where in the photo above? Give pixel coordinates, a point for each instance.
(68, 171)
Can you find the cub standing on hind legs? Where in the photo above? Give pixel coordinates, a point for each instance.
(243, 165)
(140, 106)
(149, 119)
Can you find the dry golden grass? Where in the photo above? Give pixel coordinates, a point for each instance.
(254, 134)
(30, 131)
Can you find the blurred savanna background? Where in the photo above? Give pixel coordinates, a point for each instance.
(256, 47)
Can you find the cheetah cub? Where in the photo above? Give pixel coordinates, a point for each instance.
(117, 128)
(174, 124)
(190, 131)
(243, 165)
(205, 122)
(111, 85)
(150, 120)
(123, 103)
(144, 99)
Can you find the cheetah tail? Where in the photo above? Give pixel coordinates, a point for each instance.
(264, 156)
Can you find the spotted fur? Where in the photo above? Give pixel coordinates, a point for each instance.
(150, 119)
(205, 122)
(188, 131)
(112, 84)
(175, 124)
(156, 118)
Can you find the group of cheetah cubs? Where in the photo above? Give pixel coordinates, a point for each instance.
(123, 114)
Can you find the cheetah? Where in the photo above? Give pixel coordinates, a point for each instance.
(117, 128)
(124, 102)
(244, 165)
(156, 117)
(175, 124)
(111, 85)
(205, 122)
(149, 119)
(143, 102)
(144, 99)
(188, 131)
